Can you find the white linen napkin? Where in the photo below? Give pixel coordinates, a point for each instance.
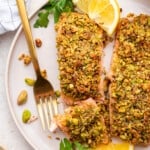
(9, 17)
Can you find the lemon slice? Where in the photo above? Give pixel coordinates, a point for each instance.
(105, 147)
(123, 146)
(112, 146)
(106, 13)
(82, 5)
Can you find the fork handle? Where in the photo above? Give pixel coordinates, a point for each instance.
(28, 35)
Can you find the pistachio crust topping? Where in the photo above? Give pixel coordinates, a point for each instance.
(84, 123)
(80, 42)
(130, 86)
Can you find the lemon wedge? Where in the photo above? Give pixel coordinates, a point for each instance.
(82, 5)
(106, 13)
(112, 146)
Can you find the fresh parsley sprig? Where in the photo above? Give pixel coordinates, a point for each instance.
(65, 144)
(55, 7)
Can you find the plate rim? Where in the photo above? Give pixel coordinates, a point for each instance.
(11, 49)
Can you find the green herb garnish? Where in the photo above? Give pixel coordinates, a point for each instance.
(65, 144)
(55, 7)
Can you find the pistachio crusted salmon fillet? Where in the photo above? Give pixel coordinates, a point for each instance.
(84, 123)
(130, 81)
(80, 42)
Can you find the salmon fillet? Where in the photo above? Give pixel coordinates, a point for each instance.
(80, 42)
(84, 123)
(130, 81)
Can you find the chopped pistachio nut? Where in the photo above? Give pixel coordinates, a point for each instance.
(26, 115)
(25, 58)
(57, 93)
(29, 81)
(44, 73)
(22, 97)
(21, 57)
(130, 88)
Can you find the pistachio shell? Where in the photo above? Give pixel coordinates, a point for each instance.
(22, 98)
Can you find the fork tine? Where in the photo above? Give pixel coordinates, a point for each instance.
(40, 112)
(46, 112)
(55, 105)
(50, 108)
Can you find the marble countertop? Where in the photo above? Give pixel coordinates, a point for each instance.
(10, 137)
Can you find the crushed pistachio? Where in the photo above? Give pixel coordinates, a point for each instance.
(25, 58)
(44, 73)
(57, 93)
(80, 42)
(29, 81)
(85, 124)
(131, 81)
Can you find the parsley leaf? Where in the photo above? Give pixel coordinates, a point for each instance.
(55, 7)
(65, 144)
(42, 20)
(78, 146)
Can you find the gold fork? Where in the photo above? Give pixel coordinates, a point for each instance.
(45, 98)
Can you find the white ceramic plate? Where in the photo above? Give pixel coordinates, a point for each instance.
(16, 72)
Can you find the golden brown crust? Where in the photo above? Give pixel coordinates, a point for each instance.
(130, 74)
(84, 123)
(130, 81)
(80, 43)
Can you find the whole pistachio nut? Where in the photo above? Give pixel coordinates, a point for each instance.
(29, 81)
(26, 115)
(22, 98)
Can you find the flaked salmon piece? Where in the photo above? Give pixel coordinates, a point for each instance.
(84, 123)
(80, 42)
(130, 81)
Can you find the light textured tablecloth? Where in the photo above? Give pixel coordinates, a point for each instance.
(9, 18)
